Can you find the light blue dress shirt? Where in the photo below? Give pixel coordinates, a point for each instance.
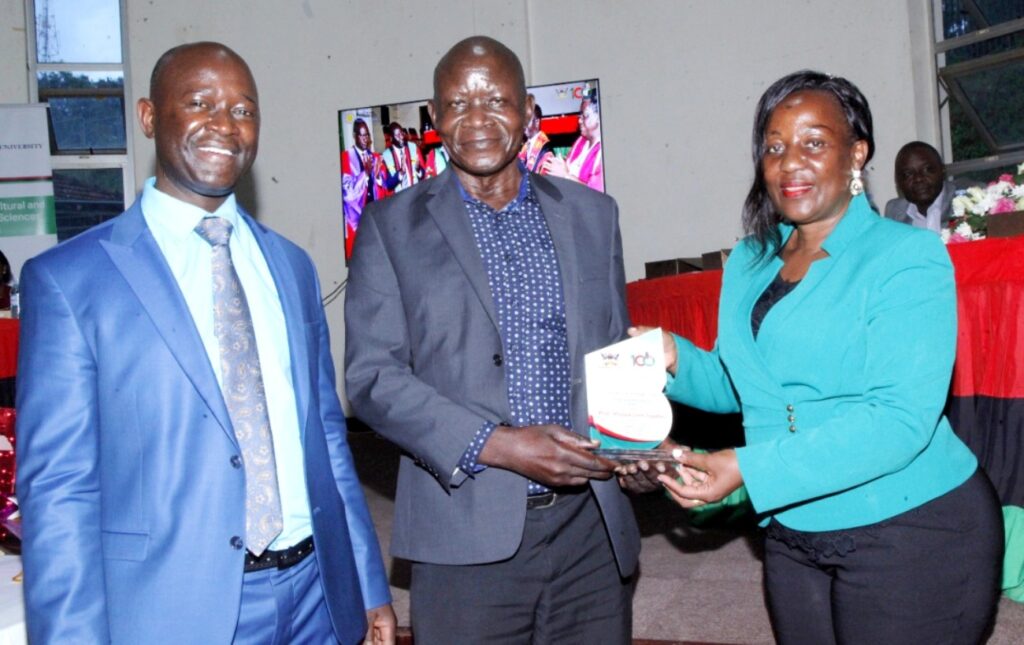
(172, 223)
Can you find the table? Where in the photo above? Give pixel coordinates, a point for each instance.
(12, 607)
(986, 405)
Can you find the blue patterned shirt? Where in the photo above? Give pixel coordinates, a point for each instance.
(526, 285)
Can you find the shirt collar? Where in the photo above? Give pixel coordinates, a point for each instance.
(178, 219)
(524, 189)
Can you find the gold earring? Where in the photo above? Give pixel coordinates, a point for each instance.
(856, 183)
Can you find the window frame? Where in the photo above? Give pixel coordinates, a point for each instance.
(948, 88)
(82, 160)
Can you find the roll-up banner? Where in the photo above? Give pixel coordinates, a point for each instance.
(27, 220)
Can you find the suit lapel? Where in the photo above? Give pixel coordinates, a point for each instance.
(559, 216)
(853, 224)
(288, 288)
(444, 204)
(751, 359)
(137, 257)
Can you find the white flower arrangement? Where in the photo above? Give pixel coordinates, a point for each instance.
(972, 206)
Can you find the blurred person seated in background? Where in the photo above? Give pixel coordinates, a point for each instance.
(926, 196)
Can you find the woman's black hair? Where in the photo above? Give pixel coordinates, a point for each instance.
(760, 217)
(5, 269)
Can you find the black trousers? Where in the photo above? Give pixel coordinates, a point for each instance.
(929, 575)
(562, 586)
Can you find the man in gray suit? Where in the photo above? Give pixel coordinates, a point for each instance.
(472, 300)
(926, 195)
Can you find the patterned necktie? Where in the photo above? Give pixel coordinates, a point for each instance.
(242, 384)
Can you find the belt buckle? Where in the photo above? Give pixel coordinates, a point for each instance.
(544, 500)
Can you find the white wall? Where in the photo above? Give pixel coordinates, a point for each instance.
(679, 78)
(680, 82)
(13, 61)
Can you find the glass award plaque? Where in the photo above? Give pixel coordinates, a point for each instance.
(628, 412)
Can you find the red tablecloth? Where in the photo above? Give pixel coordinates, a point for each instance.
(990, 318)
(8, 347)
(686, 304)
(990, 309)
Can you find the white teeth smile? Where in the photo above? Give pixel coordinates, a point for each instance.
(217, 151)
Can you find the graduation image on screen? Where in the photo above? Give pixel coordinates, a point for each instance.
(388, 148)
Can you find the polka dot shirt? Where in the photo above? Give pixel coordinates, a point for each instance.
(526, 285)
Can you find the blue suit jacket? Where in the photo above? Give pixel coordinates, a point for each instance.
(125, 478)
(860, 355)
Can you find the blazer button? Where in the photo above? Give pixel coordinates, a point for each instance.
(497, 359)
(789, 408)
(792, 428)
(791, 418)
(236, 543)
(236, 461)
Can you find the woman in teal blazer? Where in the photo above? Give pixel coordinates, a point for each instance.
(836, 340)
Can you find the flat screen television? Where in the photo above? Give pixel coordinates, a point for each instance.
(388, 148)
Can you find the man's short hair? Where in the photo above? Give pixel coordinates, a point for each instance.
(919, 145)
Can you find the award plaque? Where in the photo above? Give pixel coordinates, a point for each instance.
(627, 409)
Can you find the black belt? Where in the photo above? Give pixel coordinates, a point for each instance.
(541, 500)
(281, 559)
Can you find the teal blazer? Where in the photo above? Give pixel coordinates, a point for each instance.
(842, 391)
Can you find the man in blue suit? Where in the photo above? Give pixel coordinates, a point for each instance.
(156, 507)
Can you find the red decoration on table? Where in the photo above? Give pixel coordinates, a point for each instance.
(7, 456)
(7, 474)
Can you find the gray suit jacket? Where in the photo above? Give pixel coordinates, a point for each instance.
(423, 360)
(896, 209)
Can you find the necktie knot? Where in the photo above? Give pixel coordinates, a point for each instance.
(215, 230)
